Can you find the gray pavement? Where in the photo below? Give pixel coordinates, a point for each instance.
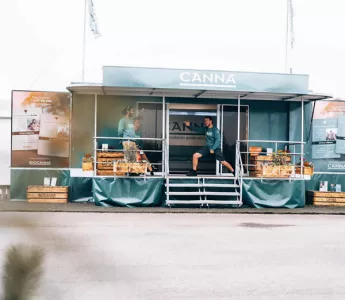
(184, 256)
(23, 206)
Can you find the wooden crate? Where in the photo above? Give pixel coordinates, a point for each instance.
(255, 151)
(105, 163)
(327, 198)
(114, 154)
(47, 194)
(271, 171)
(277, 171)
(87, 166)
(138, 168)
(106, 173)
(306, 170)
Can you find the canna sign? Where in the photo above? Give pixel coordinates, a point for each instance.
(154, 78)
(210, 79)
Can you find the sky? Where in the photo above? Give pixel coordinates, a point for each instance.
(42, 40)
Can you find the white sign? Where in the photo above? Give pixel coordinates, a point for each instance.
(212, 79)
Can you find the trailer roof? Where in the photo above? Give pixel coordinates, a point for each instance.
(100, 89)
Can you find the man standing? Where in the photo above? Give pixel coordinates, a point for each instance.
(212, 146)
(126, 124)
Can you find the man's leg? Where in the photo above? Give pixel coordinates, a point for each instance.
(219, 156)
(202, 152)
(196, 157)
(227, 165)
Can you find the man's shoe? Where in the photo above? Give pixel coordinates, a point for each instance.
(192, 173)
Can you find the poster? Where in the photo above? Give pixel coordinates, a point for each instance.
(324, 139)
(328, 136)
(40, 129)
(181, 135)
(340, 141)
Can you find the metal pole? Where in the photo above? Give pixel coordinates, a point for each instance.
(219, 126)
(238, 146)
(70, 128)
(287, 36)
(84, 42)
(167, 159)
(222, 134)
(302, 137)
(163, 136)
(95, 134)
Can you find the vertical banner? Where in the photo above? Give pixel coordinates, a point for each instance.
(328, 143)
(40, 129)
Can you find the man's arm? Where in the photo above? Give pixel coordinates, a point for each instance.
(193, 128)
(217, 140)
(121, 128)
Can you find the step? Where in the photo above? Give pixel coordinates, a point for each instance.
(202, 177)
(230, 202)
(185, 201)
(184, 185)
(235, 202)
(221, 185)
(221, 193)
(185, 193)
(202, 193)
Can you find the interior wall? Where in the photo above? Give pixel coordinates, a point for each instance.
(268, 120)
(5, 151)
(295, 118)
(110, 112)
(82, 131)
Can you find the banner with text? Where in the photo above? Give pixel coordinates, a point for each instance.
(40, 129)
(328, 142)
(181, 135)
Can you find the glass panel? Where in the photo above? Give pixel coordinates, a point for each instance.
(151, 127)
(183, 143)
(229, 133)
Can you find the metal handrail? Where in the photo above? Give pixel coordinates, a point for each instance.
(127, 138)
(286, 143)
(267, 141)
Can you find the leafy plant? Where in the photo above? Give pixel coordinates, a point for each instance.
(22, 273)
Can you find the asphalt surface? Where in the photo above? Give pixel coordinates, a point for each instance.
(184, 256)
(23, 206)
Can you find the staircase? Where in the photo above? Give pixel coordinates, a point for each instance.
(203, 190)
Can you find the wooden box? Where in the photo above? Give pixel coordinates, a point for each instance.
(105, 173)
(105, 163)
(87, 166)
(114, 154)
(121, 168)
(255, 151)
(277, 171)
(47, 194)
(286, 171)
(306, 170)
(138, 168)
(327, 198)
(270, 171)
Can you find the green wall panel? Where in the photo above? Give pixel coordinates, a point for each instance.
(128, 192)
(274, 193)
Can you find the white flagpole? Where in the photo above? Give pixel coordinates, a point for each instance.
(287, 37)
(84, 42)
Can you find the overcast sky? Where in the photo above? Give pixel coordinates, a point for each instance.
(41, 40)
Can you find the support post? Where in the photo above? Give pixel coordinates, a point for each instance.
(167, 137)
(238, 147)
(84, 44)
(220, 116)
(95, 140)
(163, 136)
(302, 137)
